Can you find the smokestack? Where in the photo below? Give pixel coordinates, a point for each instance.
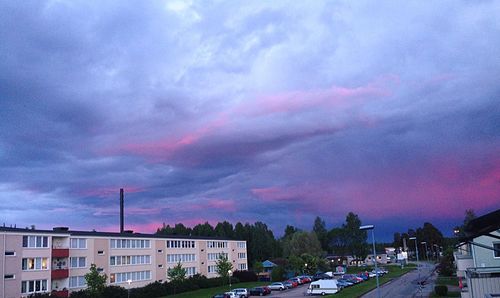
(121, 210)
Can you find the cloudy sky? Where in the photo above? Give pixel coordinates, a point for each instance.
(278, 111)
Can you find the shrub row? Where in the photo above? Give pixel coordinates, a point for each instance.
(158, 289)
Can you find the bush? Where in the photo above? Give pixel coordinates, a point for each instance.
(79, 294)
(441, 290)
(245, 276)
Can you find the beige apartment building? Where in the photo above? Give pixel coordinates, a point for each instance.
(38, 261)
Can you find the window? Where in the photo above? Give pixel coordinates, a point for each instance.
(242, 255)
(242, 244)
(133, 276)
(100, 252)
(242, 266)
(180, 244)
(35, 241)
(78, 243)
(10, 253)
(9, 276)
(130, 243)
(212, 269)
(33, 286)
(29, 264)
(190, 271)
(217, 244)
(77, 282)
(129, 260)
(496, 253)
(175, 258)
(216, 256)
(77, 262)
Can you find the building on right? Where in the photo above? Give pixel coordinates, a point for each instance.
(477, 257)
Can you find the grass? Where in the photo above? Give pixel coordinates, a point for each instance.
(447, 281)
(367, 286)
(354, 291)
(450, 294)
(204, 293)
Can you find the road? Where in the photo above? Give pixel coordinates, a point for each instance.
(407, 285)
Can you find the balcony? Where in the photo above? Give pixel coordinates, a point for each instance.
(60, 252)
(59, 273)
(61, 294)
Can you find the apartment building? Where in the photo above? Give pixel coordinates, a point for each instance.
(477, 257)
(38, 261)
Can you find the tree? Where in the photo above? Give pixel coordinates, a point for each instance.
(258, 267)
(205, 230)
(302, 243)
(337, 241)
(289, 231)
(224, 229)
(319, 228)
(176, 273)
(354, 237)
(223, 266)
(96, 282)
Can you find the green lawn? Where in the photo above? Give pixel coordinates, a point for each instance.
(448, 281)
(450, 294)
(366, 286)
(204, 293)
(354, 291)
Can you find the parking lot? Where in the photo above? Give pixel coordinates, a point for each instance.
(291, 293)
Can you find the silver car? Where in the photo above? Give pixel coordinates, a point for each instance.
(241, 292)
(277, 286)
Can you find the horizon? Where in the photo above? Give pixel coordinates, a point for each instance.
(249, 111)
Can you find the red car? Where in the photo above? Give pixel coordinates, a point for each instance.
(293, 282)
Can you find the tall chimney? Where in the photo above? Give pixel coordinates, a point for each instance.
(121, 210)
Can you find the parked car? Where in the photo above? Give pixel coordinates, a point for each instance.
(258, 291)
(293, 282)
(345, 282)
(232, 294)
(288, 284)
(277, 286)
(241, 292)
(220, 296)
(267, 289)
(319, 276)
(296, 279)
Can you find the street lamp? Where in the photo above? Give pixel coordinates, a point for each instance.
(426, 251)
(305, 268)
(229, 272)
(416, 248)
(129, 281)
(372, 227)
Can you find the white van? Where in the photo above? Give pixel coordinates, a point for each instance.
(323, 287)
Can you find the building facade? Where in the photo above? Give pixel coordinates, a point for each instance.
(56, 261)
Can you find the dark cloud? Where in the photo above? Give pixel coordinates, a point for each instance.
(248, 111)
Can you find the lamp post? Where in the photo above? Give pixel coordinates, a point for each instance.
(305, 269)
(372, 227)
(426, 251)
(229, 272)
(416, 248)
(129, 281)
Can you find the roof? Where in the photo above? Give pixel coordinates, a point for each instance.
(67, 232)
(268, 264)
(482, 225)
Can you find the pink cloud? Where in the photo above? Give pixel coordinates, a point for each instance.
(166, 148)
(298, 101)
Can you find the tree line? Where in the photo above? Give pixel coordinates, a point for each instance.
(296, 247)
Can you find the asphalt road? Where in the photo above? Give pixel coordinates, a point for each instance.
(407, 285)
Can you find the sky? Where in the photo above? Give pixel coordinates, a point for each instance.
(245, 111)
